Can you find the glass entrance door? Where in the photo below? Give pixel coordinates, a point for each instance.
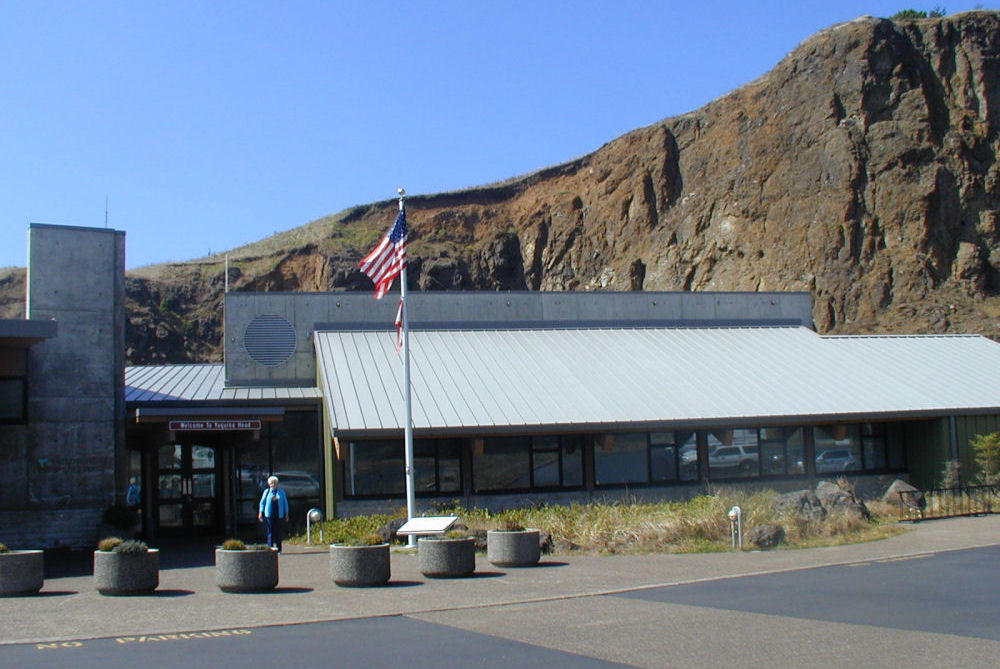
(189, 493)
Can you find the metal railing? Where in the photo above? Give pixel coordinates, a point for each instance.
(950, 502)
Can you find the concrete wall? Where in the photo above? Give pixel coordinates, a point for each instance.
(307, 312)
(64, 470)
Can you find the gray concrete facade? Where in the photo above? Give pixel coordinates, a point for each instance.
(62, 468)
(297, 315)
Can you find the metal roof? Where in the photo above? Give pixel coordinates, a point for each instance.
(606, 378)
(149, 384)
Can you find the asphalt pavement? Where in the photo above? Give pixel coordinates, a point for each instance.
(926, 598)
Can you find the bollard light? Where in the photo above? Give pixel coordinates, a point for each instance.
(736, 526)
(313, 516)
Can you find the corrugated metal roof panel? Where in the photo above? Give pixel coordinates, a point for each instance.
(592, 377)
(147, 384)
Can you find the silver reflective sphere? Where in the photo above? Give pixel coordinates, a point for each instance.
(315, 515)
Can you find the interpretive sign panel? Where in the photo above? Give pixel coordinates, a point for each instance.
(427, 525)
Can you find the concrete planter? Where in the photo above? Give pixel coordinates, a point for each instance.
(246, 571)
(513, 548)
(126, 573)
(21, 573)
(359, 566)
(446, 558)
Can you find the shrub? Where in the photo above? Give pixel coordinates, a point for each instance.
(951, 474)
(131, 547)
(935, 13)
(510, 526)
(986, 448)
(233, 545)
(4, 549)
(108, 544)
(371, 539)
(909, 14)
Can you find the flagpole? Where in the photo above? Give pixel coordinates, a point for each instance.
(411, 501)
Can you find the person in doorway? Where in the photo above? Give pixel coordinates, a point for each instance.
(273, 512)
(132, 498)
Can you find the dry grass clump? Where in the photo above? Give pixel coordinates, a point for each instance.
(700, 524)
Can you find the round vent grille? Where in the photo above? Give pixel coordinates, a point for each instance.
(269, 340)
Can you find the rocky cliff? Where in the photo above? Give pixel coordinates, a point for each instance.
(862, 168)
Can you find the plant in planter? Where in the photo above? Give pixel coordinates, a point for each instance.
(241, 567)
(126, 567)
(451, 555)
(21, 572)
(512, 545)
(361, 563)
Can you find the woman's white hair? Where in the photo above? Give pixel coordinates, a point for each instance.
(272, 478)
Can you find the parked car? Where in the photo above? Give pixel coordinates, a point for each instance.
(743, 458)
(298, 484)
(836, 460)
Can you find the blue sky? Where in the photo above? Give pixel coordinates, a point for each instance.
(207, 125)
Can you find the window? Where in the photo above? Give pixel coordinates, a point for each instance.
(673, 456)
(523, 463)
(838, 448)
(882, 445)
(289, 449)
(501, 463)
(781, 451)
(437, 465)
(556, 461)
(645, 457)
(621, 458)
(375, 467)
(733, 453)
(863, 447)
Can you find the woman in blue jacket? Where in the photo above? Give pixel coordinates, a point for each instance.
(273, 510)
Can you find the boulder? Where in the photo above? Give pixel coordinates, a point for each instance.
(766, 536)
(388, 531)
(544, 542)
(902, 493)
(802, 503)
(838, 500)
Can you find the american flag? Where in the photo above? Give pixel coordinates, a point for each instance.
(388, 259)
